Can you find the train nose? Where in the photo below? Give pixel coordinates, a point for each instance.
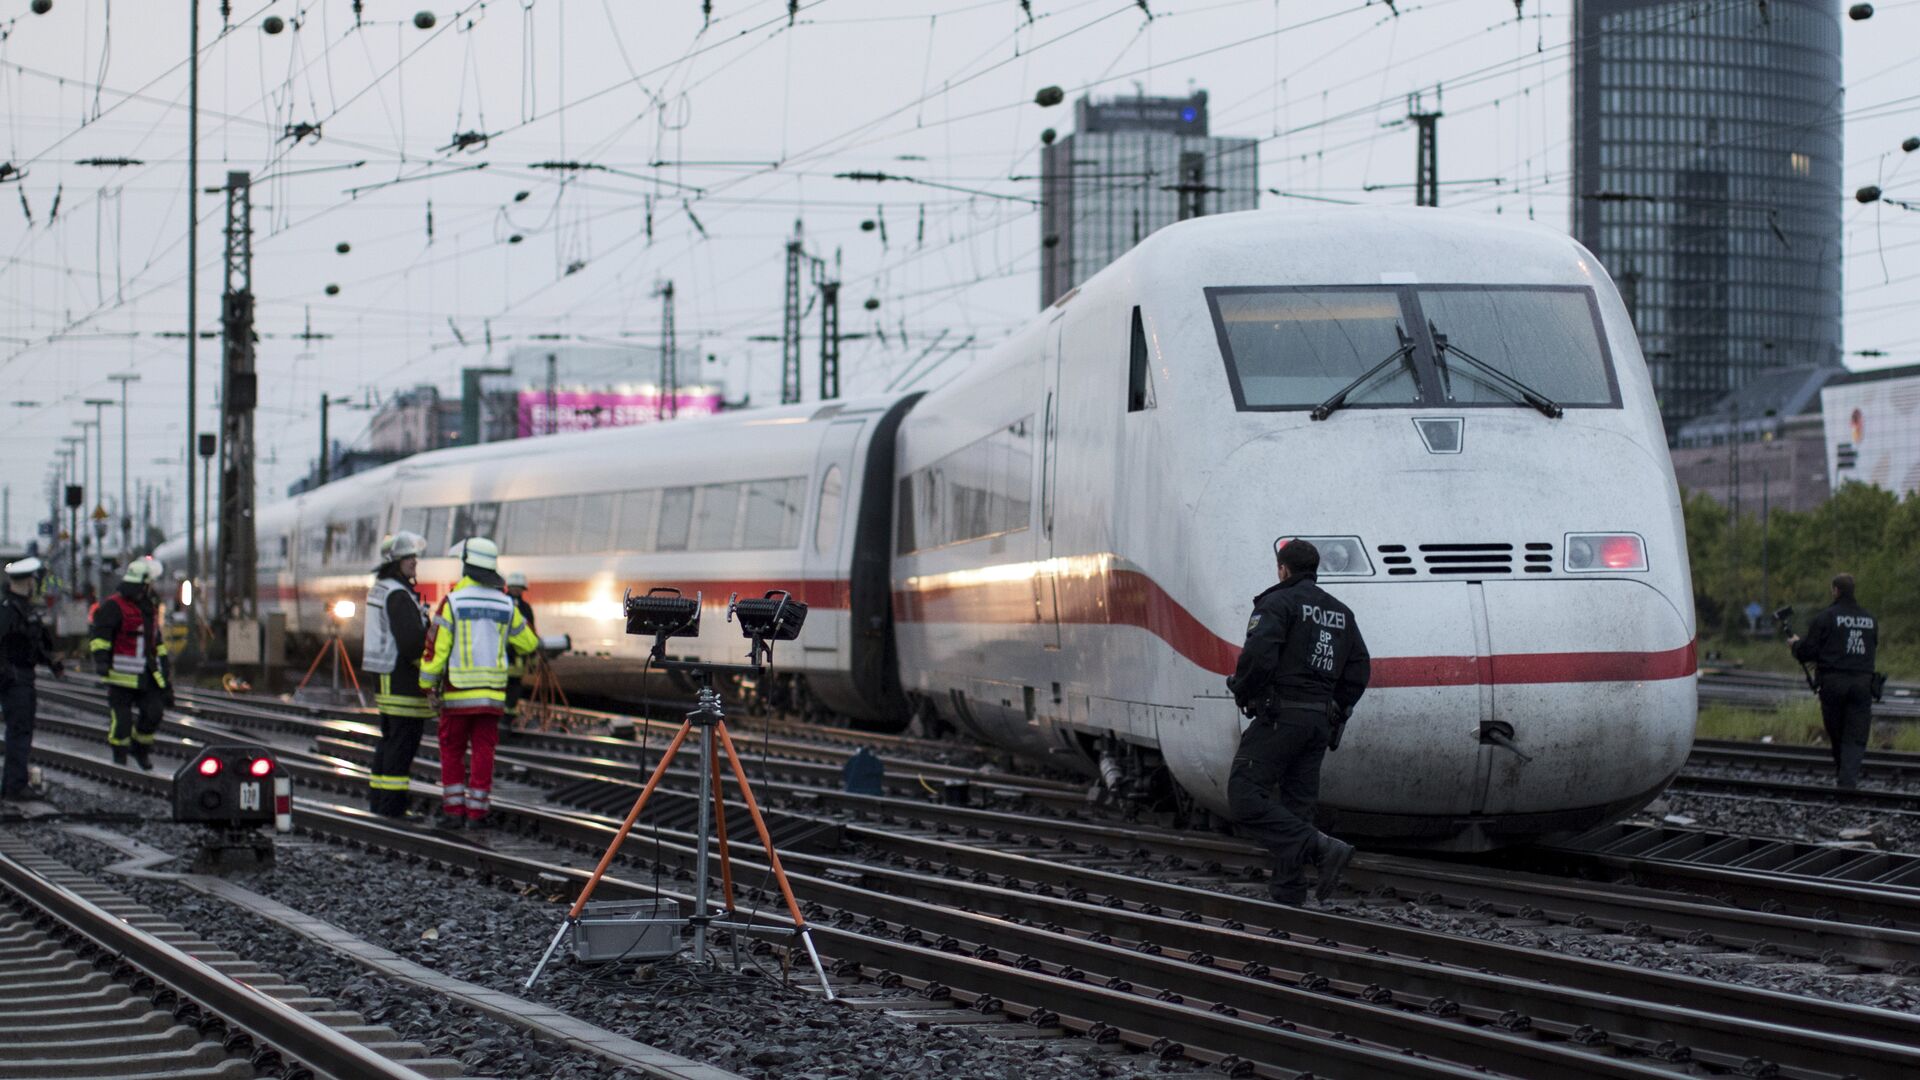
(1503, 710)
(1593, 683)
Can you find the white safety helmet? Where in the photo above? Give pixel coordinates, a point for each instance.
(405, 545)
(143, 571)
(516, 580)
(26, 567)
(478, 551)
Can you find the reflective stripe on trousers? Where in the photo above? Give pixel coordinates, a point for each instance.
(390, 783)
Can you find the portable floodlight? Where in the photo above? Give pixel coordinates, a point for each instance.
(663, 613)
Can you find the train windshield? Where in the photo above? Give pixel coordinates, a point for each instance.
(1400, 346)
(1294, 348)
(1544, 338)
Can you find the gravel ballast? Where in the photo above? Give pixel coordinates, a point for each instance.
(493, 938)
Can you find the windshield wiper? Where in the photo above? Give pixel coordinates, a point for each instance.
(1339, 400)
(1547, 406)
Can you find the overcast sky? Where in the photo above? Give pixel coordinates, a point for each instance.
(721, 136)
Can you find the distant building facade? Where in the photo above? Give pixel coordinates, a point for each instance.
(414, 421)
(1762, 445)
(1706, 178)
(1133, 165)
(1872, 427)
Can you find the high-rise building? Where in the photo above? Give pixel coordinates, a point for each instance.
(1133, 165)
(1706, 178)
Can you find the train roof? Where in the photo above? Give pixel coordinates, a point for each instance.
(1354, 246)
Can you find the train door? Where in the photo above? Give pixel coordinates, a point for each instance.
(1046, 585)
(828, 547)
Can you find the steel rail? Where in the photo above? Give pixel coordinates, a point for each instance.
(1729, 1042)
(1140, 1015)
(807, 761)
(1757, 755)
(270, 1023)
(588, 834)
(599, 786)
(1803, 792)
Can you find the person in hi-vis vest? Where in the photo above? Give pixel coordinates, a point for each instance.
(396, 638)
(475, 632)
(131, 652)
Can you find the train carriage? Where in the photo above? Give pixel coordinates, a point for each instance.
(1521, 577)
(1056, 551)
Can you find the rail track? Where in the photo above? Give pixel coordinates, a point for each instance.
(1771, 689)
(1096, 922)
(1854, 894)
(95, 985)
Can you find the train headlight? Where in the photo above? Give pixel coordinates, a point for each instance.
(1605, 553)
(1340, 556)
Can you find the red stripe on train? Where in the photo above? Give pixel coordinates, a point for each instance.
(1125, 597)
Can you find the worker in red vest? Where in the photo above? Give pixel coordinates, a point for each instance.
(130, 650)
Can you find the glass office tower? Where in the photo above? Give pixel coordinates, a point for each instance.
(1706, 178)
(1133, 165)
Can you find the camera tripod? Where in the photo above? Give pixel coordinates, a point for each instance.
(709, 717)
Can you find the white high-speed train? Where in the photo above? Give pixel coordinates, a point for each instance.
(1056, 552)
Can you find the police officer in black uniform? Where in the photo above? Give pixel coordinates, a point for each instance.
(1301, 672)
(1840, 644)
(24, 644)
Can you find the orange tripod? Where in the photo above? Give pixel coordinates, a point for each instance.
(710, 719)
(338, 650)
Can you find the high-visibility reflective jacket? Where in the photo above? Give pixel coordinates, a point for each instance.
(125, 640)
(475, 632)
(396, 635)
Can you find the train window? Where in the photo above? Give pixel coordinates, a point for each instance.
(1295, 348)
(561, 525)
(476, 519)
(435, 529)
(1139, 377)
(633, 524)
(596, 523)
(366, 540)
(714, 517)
(826, 523)
(524, 521)
(415, 520)
(676, 519)
(982, 489)
(1546, 338)
(904, 539)
(773, 515)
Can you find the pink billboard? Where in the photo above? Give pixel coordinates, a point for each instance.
(585, 410)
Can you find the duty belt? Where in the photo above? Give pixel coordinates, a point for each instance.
(1321, 708)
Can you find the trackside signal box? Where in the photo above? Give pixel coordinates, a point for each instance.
(233, 787)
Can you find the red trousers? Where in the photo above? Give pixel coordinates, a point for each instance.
(467, 792)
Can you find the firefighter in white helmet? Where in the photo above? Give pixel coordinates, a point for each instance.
(476, 630)
(130, 650)
(394, 642)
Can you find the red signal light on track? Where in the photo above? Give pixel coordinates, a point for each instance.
(210, 767)
(260, 766)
